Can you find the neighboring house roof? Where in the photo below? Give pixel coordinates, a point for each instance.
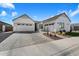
(75, 24)
(22, 16)
(3, 23)
(55, 17)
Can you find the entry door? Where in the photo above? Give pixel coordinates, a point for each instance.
(36, 27)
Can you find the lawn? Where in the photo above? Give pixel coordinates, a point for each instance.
(72, 33)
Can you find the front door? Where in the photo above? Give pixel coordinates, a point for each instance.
(36, 27)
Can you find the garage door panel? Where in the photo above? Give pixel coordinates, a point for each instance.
(24, 28)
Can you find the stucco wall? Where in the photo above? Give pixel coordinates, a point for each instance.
(55, 27)
(66, 22)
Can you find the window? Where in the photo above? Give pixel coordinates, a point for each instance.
(22, 24)
(49, 24)
(25, 24)
(61, 25)
(18, 24)
(46, 25)
(52, 24)
(30, 24)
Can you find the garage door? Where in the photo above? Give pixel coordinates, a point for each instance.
(24, 28)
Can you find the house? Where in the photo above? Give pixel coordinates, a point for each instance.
(57, 23)
(23, 23)
(5, 27)
(75, 27)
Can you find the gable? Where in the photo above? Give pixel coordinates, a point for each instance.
(56, 17)
(23, 19)
(64, 18)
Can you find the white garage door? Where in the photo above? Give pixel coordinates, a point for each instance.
(24, 28)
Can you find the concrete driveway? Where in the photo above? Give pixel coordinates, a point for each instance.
(35, 44)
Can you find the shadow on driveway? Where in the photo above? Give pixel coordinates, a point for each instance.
(4, 35)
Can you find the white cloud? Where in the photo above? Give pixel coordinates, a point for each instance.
(14, 13)
(3, 13)
(75, 12)
(7, 5)
(78, 6)
(70, 11)
(35, 16)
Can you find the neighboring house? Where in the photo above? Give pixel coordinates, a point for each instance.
(75, 27)
(23, 23)
(57, 23)
(5, 27)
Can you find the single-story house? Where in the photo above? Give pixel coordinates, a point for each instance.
(5, 27)
(23, 23)
(75, 27)
(57, 23)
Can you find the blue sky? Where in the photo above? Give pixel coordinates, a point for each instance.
(38, 11)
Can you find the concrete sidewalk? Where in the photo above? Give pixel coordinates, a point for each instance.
(17, 46)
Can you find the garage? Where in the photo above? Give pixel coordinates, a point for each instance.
(23, 23)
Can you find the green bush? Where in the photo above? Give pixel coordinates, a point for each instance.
(73, 33)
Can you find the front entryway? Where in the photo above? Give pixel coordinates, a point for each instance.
(36, 27)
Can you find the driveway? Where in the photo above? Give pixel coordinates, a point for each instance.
(4, 35)
(18, 40)
(35, 44)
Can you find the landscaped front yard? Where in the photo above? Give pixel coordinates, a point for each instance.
(61, 35)
(52, 36)
(72, 34)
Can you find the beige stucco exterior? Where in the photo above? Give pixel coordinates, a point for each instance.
(56, 27)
